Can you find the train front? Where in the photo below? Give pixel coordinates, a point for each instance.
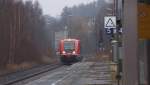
(70, 50)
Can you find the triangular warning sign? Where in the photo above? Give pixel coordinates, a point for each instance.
(110, 23)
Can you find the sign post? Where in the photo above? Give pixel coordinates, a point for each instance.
(110, 24)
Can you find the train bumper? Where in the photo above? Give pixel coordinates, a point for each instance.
(70, 58)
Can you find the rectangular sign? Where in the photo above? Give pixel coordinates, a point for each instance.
(110, 22)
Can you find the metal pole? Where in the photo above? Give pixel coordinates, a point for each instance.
(118, 76)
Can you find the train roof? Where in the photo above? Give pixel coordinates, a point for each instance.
(69, 39)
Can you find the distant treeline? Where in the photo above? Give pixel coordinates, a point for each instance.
(23, 34)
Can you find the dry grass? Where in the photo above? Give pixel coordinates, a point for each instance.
(101, 57)
(15, 67)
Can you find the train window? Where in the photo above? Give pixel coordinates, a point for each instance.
(69, 45)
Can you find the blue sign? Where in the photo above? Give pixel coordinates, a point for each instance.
(109, 30)
(113, 31)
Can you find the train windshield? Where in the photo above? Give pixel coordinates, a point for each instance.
(69, 45)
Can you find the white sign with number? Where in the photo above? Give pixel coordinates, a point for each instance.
(110, 22)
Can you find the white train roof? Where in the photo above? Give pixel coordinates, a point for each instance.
(69, 39)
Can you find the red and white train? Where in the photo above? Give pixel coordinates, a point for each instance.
(69, 50)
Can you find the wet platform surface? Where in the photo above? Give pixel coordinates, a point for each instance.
(83, 73)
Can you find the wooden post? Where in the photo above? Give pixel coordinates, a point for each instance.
(130, 43)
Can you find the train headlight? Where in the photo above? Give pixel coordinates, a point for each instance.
(63, 52)
(74, 52)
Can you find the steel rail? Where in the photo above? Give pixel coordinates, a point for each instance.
(21, 76)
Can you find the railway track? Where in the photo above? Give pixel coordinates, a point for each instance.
(26, 74)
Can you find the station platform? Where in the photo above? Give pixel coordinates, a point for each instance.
(82, 73)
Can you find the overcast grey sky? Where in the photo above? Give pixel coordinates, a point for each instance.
(54, 7)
